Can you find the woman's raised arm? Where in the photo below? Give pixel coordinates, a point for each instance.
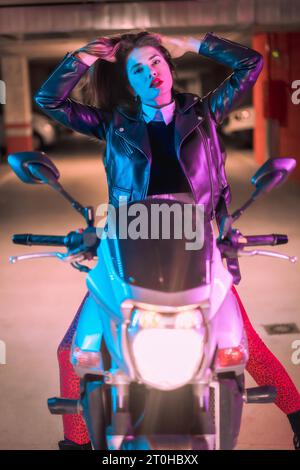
(246, 64)
(53, 95)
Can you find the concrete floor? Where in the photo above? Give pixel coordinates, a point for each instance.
(39, 298)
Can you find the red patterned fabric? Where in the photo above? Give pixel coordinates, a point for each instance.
(74, 425)
(266, 369)
(262, 366)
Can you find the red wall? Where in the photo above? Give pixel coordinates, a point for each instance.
(284, 65)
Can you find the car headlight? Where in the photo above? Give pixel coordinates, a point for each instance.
(167, 347)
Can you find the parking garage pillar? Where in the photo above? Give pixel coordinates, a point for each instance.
(17, 107)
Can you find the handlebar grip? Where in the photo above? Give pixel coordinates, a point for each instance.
(273, 239)
(30, 239)
(281, 239)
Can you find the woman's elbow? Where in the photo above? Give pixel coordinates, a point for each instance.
(44, 101)
(256, 67)
(39, 99)
(260, 62)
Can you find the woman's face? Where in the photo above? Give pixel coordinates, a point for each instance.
(145, 64)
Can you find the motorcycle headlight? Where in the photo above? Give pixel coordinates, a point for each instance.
(167, 347)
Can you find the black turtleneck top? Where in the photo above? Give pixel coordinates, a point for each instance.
(166, 174)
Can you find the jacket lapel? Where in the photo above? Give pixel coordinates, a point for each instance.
(134, 128)
(186, 118)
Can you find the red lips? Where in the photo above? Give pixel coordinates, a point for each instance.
(156, 82)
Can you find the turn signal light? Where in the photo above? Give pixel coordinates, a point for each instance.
(87, 359)
(232, 356)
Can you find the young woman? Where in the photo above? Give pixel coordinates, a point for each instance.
(162, 142)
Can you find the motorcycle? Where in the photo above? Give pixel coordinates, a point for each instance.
(160, 347)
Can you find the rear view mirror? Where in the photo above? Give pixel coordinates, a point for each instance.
(34, 167)
(272, 174)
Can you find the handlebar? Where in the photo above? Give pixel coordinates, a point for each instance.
(30, 239)
(81, 245)
(273, 239)
(233, 246)
(79, 239)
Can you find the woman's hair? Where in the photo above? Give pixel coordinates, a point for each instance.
(106, 85)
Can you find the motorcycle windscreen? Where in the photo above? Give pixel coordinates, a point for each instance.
(167, 248)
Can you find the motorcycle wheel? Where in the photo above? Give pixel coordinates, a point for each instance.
(95, 411)
(231, 391)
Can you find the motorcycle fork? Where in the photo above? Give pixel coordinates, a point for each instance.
(215, 385)
(207, 411)
(108, 420)
(120, 422)
(94, 409)
(228, 404)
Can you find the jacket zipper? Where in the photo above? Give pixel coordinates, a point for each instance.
(131, 142)
(191, 186)
(183, 170)
(210, 175)
(127, 148)
(147, 186)
(138, 148)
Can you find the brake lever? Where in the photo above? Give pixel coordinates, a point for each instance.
(49, 254)
(273, 254)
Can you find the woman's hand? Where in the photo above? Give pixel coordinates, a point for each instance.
(179, 46)
(100, 48)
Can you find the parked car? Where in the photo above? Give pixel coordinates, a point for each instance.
(238, 127)
(44, 132)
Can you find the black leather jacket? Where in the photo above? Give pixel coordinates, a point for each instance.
(127, 157)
